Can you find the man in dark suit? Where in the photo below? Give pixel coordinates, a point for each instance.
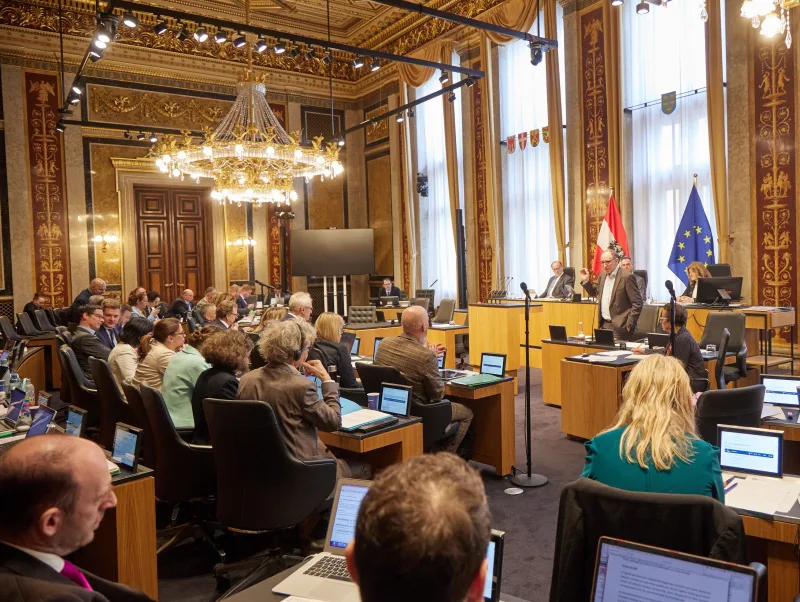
(85, 343)
(110, 331)
(627, 264)
(243, 300)
(182, 305)
(388, 289)
(61, 490)
(619, 301)
(31, 306)
(300, 307)
(96, 287)
(560, 283)
(226, 315)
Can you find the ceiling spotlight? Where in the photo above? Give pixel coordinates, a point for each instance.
(240, 41)
(642, 8)
(73, 99)
(311, 54)
(153, 138)
(76, 89)
(294, 52)
(261, 45)
(201, 35)
(411, 113)
(127, 135)
(60, 126)
(103, 35)
(444, 77)
(183, 33)
(130, 20)
(220, 37)
(280, 48)
(160, 28)
(470, 82)
(327, 58)
(65, 112)
(141, 137)
(100, 44)
(400, 118)
(95, 54)
(340, 141)
(374, 66)
(451, 97)
(536, 53)
(358, 62)
(617, 2)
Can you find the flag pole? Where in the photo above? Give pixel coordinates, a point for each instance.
(695, 180)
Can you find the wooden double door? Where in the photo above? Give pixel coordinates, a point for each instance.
(174, 241)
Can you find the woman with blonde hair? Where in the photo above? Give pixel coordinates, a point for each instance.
(695, 271)
(159, 348)
(654, 445)
(330, 351)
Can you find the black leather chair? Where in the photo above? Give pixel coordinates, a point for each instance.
(8, 330)
(357, 395)
(648, 321)
(643, 275)
(734, 322)
(113, 406)
(272, 490)
(361, 314)
(54, 316)
(63, 335)
(437, 417)
(82, 391)
(722, 270)
(185, 475)
(191, 323)
(570, 272)
(445, 311)
(26, 325)
(42, 321)
(427, 293)
(139, 420)
(737, 407)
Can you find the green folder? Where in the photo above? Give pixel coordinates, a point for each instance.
(476, 380)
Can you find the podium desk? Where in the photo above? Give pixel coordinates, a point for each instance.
(446, 335)
(368, 332)
(383, 447)
(493, 421)
(553, 352)
(52, 365)
(557, 313)
(495, 328)
(33, 365)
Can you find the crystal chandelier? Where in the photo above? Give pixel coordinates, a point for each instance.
(772, 16)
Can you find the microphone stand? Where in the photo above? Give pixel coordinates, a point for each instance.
(671, 290)
(529, 479)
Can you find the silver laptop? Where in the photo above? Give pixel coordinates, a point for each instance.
(325, 577)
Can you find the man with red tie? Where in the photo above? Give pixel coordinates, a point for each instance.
(55, 491)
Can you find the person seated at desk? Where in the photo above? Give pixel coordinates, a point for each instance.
(124, 315)
(299, 409)
(182, 373)
(228, 352)
(654, 446)
(300, 307)
(694, 271)
(159, 348)
(227, 314)
(417, 362)
(331, 351)
(124, 358)
(207, 314)
(388, 289)
(140, 309)
(560, 284)
(182, 306)
(85, 343)
(243, 298)
(207, 299)
(686, 348)
(96, 287)
(422, 533)
(110, 331)
(56, 490)
(31, 306)
(619, 301)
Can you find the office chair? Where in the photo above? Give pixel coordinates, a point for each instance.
(445, 312)
(113, 406)
(734, 323)
(737, 407)
(361, 314)
(570, 272)
(643, 275)
(82, 392)
(462, 345)
(54, 315)
(719, 270)
(64, 338)
(42, 321)
(423, 302)
(185, 476)
(588, 510)
(26, 325)
(270, 491)
(648, 321)
(191, 323)
(428, 293)
(139, 420)
(8, 330)
(437, 416)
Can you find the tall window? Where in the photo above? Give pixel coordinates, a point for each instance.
(529, 238)
(436, 245)
(664, 51)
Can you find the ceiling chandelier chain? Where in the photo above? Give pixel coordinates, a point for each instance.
(250, 156)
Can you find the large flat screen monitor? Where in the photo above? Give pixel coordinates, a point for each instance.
(333, 252)
(715, 290)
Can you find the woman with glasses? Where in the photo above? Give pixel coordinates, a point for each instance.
(159, 348)
(331, 352)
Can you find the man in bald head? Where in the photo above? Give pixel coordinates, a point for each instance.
(96, 287)
(183, 305)
(416, 360)
(55, 491)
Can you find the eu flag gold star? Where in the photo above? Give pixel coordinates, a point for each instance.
(707, 239)
(681, 259)
(698, 229)
(687, 234)
(709, 253)
(681, 245)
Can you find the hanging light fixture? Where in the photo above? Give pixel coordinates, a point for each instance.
(160, 28)
(764, 14)
(220, 37)
(201, 35)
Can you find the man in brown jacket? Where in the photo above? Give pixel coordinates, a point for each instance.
(618, 304)
(416, 361)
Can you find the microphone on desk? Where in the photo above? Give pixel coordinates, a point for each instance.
(524, 288)
(432, 283)
(263, 283)
(670, 288)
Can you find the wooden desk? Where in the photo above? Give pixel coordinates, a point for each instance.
(52, 365)
(552, 354)
(493, 422)
(383, 447)
(368, 332)
(774, 543)
(446, 335)
(124, 545)
(460, 316)
(32, 365)
(495, 328)
(558, 313)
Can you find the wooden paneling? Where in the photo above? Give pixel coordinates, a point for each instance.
(235, 228)
(447, 337)
(379, 203)
(325, 203)
(591, 394)
(382, 450)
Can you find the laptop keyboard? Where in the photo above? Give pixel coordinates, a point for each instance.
(330, 567)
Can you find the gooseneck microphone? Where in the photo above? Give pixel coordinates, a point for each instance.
(524, 288)
(670, 288)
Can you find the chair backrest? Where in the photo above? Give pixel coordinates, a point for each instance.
(64, 338)
(134, 398)
(113, 407)
(81, 391)
(423, 302)
(570, 272)
(361, 314)
(43, 321)
(51, 314)
(9, 333)
(642, 274)
(26, 324)
(191, 323)
(648, 321)
(738, 407)
(716, 321)
(272, 489)
(198, 318)
(182, 472)
(588, 510)
(721, 270)
(372, 376)
(722, 352)
(428, 293)
(445, 311)
(65, 393)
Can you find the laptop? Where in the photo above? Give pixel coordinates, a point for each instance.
(347, 339)
(558, 333)
(9, 424)
(395, 399)
(781, 390)
(375, 346)
(354, 349)
(751, 450)
(41, 421)
(325, 577)
(493, 369)
(657, 339)
(494, 557)
(76, 421)
(447, 373)
(624, 570)
(604, 337)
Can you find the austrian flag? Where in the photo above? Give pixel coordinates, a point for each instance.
(612, 234)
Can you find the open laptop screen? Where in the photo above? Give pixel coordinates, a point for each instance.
(356, 345)
(758, 451)
(15, 407)
(375, 347)
(42, 419)
(395, 399)
(493, 363)
(343, 522)
(781, 390)
(348, 338)
(494, 558)
(75, 421)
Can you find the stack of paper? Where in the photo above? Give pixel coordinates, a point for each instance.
(768, 411)
(763, 495)
(353, 420)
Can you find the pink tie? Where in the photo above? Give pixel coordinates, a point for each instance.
(73, 573)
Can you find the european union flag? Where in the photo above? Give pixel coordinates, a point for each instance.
(693, 240)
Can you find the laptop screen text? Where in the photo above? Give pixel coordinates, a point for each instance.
(344, 523)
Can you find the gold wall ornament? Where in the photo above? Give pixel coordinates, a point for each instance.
(377, 132)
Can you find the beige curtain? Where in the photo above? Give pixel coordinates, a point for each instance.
(514, 14)
(451, 155)
(414, 75)
(611, 20)
(409, 195)
(491, 144)
(716, 126)
(555, 126)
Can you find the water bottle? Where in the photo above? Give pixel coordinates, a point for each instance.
(581, 336)
(13, 383)
(333, 373)
(30, 399)
(2, 392)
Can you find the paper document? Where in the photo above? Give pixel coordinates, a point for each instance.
(762, 494)
(112, 468)
(615, 353)
(768, 411)
(359, 418)
(600, 358)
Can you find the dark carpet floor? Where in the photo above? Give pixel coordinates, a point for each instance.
(529, 519)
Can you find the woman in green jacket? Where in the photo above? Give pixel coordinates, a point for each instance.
(654, 445)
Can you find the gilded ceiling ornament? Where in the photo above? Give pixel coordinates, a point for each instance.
(154, 108)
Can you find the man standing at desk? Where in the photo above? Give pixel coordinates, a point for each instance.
(388, 289)
(560, 283)
(619, 301)
(416, 361)
(56, 489)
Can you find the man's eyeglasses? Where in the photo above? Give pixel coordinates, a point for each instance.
(606, 261)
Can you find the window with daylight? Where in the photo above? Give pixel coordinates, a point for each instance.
(662, 52)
